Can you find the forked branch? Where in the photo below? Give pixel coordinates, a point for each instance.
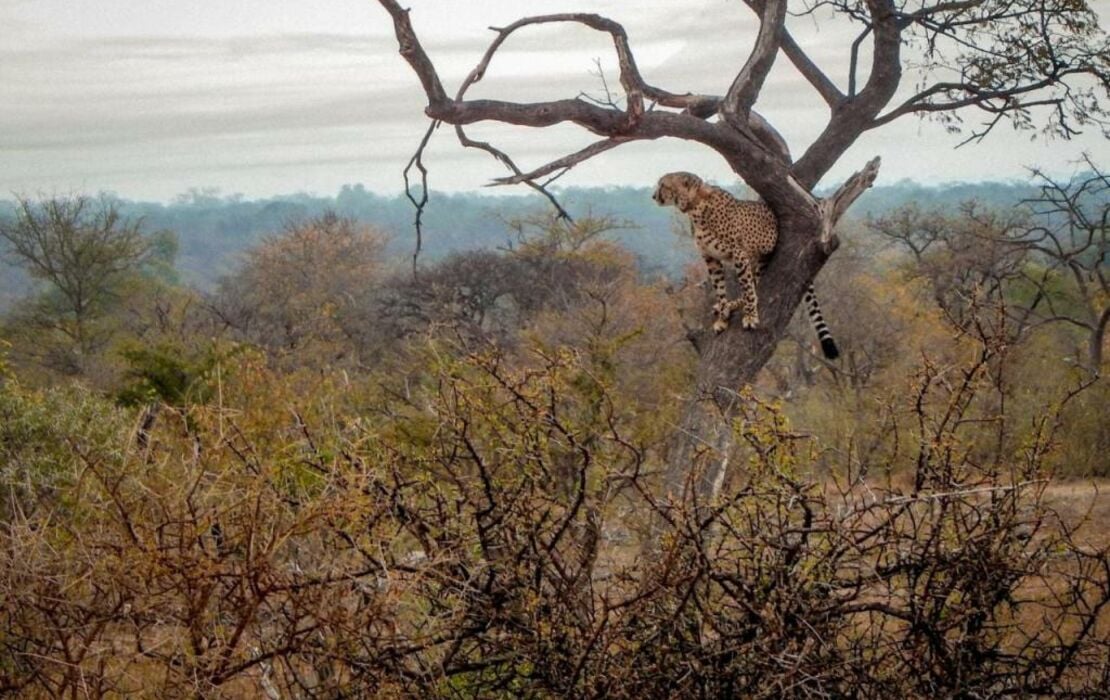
(749, 81)
(617, 125)
(805, 65)
(832, 208)
(852, 188)
(631, 80)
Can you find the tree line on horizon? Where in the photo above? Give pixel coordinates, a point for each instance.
(212, 229)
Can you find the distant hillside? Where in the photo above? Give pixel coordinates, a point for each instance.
(213, 229)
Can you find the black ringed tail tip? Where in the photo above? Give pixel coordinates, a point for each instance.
(828, 345)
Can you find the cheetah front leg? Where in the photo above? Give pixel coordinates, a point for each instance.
(745, 272)
(723, 308)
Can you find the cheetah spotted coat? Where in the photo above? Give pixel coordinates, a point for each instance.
(726, 229)
(736, 231)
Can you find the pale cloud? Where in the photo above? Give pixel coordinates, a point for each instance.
(266, 96)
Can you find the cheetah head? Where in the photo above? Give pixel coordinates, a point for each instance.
(677, 189)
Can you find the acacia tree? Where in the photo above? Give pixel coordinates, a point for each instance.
(82, 248)
(1012, 60)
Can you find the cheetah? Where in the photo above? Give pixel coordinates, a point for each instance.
(744, 233)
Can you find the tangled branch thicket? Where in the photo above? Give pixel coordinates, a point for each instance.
(475, 532)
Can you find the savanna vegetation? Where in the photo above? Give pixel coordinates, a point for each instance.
(329, 476)
(531, 471)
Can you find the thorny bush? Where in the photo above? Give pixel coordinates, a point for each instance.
(475, 533)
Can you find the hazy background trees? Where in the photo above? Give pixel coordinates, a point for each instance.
(1048, 256)
(305, 290)
(331, 290)
(212, 230)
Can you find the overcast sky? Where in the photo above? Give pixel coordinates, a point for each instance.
(148, 98)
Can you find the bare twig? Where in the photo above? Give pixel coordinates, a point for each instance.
(420, 202)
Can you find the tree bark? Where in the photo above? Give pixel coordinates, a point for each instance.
(1098, 339)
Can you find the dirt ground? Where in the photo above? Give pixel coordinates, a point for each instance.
(1083, 504)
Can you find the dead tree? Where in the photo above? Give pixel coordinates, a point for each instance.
(1010, 61)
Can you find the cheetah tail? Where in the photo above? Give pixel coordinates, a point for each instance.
(828, 345)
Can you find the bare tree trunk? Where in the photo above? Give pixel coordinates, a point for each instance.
(698, 453)
(728, 362)
(1097, 340)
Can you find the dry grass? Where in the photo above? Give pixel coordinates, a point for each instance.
(1085, 506)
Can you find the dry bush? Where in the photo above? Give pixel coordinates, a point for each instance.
(476, 297)
(302, 295)
(474, 533)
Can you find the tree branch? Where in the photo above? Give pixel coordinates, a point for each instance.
(976, 96)
(855, 115)
(957, 6)
(563, 164)
(825, 87)
(853, 62)
(414, 53)
(744, 91)
(605, 122)
(418, 203)
(833, 207)
(508, 162)
(853, 187)
(705, 106)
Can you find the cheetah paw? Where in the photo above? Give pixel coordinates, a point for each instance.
(750, 321)
(719, 325)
